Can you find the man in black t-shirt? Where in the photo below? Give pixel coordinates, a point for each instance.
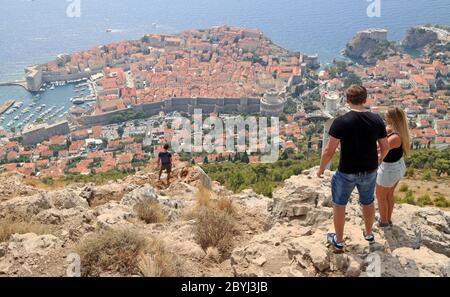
(358, 132)
(165, 162)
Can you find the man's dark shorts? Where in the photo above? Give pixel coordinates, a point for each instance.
(166, 167)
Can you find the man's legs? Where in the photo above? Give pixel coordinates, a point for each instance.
(339, 222)
(366, 188)
(369, 217)
(342, 186)
(160, 172)
(169, 170)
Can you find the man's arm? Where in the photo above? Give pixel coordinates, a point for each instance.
(383, 144)
(328, 154)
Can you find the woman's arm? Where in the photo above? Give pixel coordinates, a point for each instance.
(394, 141)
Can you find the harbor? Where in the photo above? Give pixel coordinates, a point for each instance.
(19, 108)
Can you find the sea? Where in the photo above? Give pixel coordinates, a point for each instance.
(35, 31)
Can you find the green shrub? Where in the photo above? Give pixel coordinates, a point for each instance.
(410, 172)
(427, 175)
(404, 188)
(409, 197)
(424, 200)
(398, 199)
(441, 201)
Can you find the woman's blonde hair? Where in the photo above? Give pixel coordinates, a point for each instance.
(400, 126)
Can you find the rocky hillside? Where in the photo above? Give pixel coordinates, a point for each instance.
(137, 226)
(421, 36)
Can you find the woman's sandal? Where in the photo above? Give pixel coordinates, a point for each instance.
(383, 225)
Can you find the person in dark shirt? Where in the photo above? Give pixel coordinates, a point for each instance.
(165, 162)
(393, 167)
(357, 132)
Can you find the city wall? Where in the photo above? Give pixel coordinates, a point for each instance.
(188, 105)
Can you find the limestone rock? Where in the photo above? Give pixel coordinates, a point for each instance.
(21, 245)
(25, 207)
(143, 194)
(113, 215)
(66, 199)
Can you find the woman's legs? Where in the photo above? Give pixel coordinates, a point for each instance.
(391, 202)
(383, 207)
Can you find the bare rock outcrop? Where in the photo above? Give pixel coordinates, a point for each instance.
(300, 216)
(421, 36)
(25, 207)
(140, 195)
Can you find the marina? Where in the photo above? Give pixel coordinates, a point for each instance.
(50, 104)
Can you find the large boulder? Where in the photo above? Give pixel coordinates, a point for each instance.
(141, 195)
(303, 197)
(416, 227)
(24, 207)
(66, 199)
(114, 215)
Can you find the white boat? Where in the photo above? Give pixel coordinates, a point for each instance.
(16, 118)
(18, 104)
(52, 87)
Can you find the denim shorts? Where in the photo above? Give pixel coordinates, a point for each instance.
(390, 173)
(342, 186)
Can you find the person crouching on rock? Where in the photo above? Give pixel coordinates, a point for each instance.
(358, 132)
(165, 162)
(393, 167)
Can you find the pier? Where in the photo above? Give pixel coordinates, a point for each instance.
(21, 83)
(5, 106)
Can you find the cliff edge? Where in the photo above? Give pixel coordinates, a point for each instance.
(246, 235)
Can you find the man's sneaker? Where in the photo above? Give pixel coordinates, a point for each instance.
(369, 238)
(331, 239)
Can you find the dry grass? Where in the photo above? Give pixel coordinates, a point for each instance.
(225, 204)
(150, 212)
(114, 251)
(214, 228)
(213, 254)
(214, 222)
(159, 263)
(203, 197)
(126, 253)
(9, 227)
